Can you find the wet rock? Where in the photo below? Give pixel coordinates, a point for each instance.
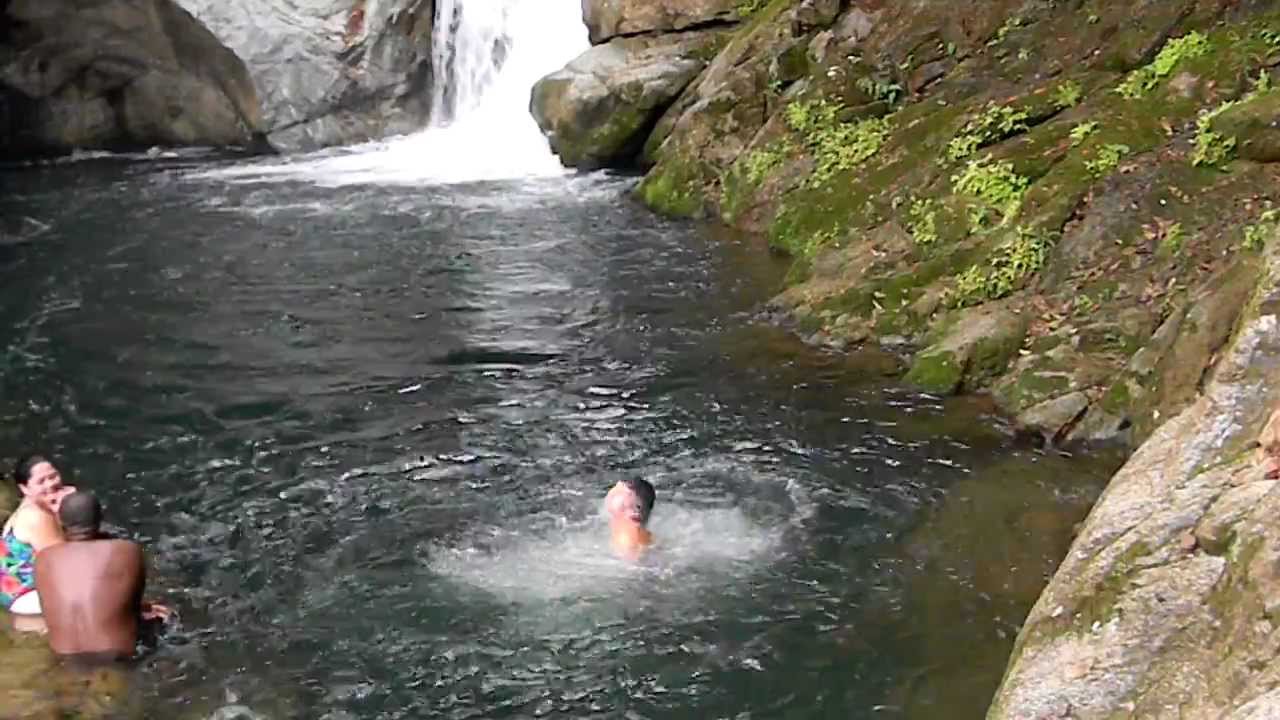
(597, 111)
(119, 76)
(1140, 622)
(332, 72)
(1052, 417)
(1099, 425)
(607, 19)
(977, 345)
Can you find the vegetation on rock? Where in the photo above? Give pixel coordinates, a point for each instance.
(836, 146)
(906, 179)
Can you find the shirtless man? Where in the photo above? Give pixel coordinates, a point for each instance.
(628, 505)
(91, 587)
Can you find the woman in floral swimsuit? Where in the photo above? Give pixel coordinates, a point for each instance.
(30, 529)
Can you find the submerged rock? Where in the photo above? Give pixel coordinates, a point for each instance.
(118, 75)
(598, 110)
(607, 19)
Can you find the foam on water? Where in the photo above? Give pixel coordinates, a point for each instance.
(482, 129)
(717, 522)
(576, 561)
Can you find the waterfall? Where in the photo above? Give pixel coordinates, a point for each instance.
(487, 55)
(490, 53)
(468, 50)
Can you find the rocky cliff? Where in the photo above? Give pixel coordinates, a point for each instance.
(128, 74)
(1071, 206)
(331, 71)
(1057, 203)
(1167, 604)
(120, 75)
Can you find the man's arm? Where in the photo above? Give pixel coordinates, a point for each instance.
(147, 610)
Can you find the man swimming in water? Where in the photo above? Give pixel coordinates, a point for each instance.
(91, 587)
(628, 505)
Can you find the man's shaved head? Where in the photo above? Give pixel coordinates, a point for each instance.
(80, 514)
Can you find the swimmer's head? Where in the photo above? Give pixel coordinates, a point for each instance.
(632, 499)
(81, 516)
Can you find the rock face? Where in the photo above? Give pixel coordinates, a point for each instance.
(1168, 603)
(332, 71)
(608, 19)
(598, 110)
(917, 160)
(118, 74)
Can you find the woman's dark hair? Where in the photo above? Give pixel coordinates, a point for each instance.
(22, 468)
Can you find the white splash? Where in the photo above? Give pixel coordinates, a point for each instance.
(481, 126)
(575, 561)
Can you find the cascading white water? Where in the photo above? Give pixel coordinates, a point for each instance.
(467, 51)
(487, 54)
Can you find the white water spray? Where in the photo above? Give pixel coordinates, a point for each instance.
(468, 49)
(488, 55)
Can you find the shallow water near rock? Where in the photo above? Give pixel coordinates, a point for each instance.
(364, 431)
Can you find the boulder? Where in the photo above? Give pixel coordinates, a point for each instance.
(1053, 416)
(1166, 604)
(607, 19)
(332, 72)
(598, 110)
(118, 75)
(978, 345)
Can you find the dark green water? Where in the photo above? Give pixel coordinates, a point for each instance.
(364, 432)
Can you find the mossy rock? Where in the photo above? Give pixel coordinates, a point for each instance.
(938, 372)
(1255, 125)
(674, 190)
(598, 110)
(976, 346)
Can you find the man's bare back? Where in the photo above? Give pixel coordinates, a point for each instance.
(91, 590)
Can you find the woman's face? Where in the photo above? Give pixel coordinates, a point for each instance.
(44, 484)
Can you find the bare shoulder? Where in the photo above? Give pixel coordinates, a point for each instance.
(28, 520)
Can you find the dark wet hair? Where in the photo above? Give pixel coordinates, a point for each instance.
(80, 513)
(645, 494)
(22, 468)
